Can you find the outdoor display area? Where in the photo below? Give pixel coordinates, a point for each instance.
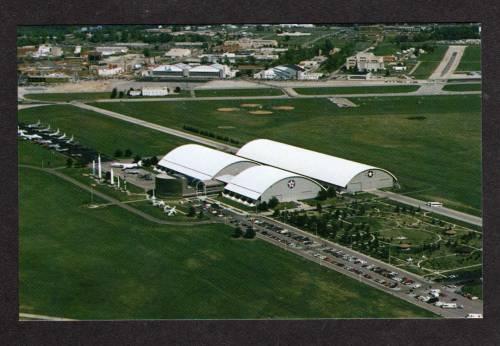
(407, 237)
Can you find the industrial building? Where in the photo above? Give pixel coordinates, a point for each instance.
(281, 72)
(201, 166)
(261, 183)
(344, 175)
(365, 62)
(214, 71)
(263, 169)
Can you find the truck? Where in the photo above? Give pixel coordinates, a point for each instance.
(449, 306)
(434, 204)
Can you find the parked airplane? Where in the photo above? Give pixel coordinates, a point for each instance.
(37, 124)
(70, 140)
(30, 137)
(170, 211)
(126, 165)
(53, 134)
(47, 129)
(45, 141)
(62, 137)
(20, 132)
(61, 149)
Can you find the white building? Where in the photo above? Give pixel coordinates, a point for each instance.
(213, 71)
(109, 71)
(345, 175)
(280, 72)
(178, 53)
(365, 62)
(106, 51)
(155, 91)
(261, 183)
(47, 50)
(307, 75)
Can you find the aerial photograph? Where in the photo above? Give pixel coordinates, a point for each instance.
(249, 171)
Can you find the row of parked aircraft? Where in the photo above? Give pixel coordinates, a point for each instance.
(56, 135)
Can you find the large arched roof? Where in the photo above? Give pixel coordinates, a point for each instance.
(197, 161)
(254, 181)
(318, 166)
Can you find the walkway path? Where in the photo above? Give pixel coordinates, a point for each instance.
(157, 127)
(113, 200)
(457, 215)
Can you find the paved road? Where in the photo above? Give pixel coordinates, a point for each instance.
(308, 252)
(160, 128)
(113, 200)
(33, 317)
(457, 215)
(449, 63)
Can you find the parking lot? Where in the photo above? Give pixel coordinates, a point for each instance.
(442, 300)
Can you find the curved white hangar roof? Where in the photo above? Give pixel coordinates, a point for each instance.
(197, 161)
(254, 181)
(318, 166)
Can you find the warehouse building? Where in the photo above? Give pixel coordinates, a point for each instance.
(342, 174)
(261, 183)
(201, 166)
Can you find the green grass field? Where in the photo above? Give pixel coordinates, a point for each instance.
(463, 87)
(35, 155)
(68, 96)
(238, 92)
(437, 157)
(358, 90)
(471, 60)
(101, 133)
(85, 263)
(88, 96)
(429, 62)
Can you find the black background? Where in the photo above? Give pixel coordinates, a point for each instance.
(261, 332)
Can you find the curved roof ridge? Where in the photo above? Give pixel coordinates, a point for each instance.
(309, 163)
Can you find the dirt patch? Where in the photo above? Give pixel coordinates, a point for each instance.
(284, 108)
(260, 112)
(228, 109)
(250, 105)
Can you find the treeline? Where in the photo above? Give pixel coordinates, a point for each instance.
(441, 33)
(210, 134)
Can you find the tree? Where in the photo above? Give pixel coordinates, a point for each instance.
(249, 233)
(262, 206)
(200, 214)
(69, 162)
(153, 160)
(191, 211)
(118, 153)
(137, 158)
(319, 207)
(237, 233)
(177, 89)
(114, 92)
(273, 203)
(121, 94)
(128, 153)
(146, 52)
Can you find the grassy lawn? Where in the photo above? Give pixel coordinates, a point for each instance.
(105, 263)
(429, 62)
(357, 90)
(463, 87)
(35, 155)
(435, 158)
(67, 97)
(386, 48)
(101, 133)
(238, 92)
(471, 60)
(475, 288)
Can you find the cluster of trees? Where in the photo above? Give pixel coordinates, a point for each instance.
(248, 234)
(115, 93)
(210, 134)
(125, 153)
(324, 194)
